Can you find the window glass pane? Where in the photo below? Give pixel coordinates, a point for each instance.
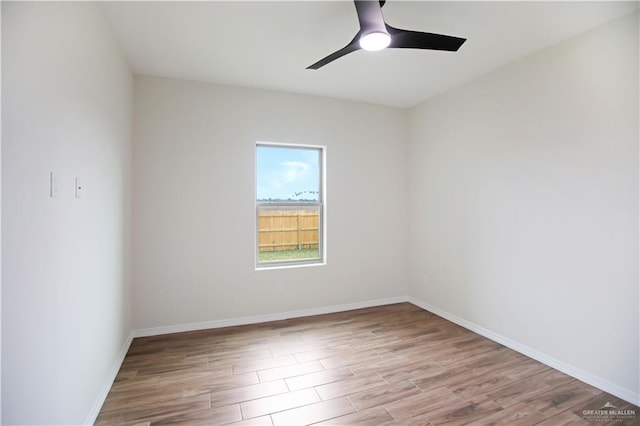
(288, 233)
(288, 174)
(289, 205)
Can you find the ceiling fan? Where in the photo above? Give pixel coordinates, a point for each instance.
(375, 34)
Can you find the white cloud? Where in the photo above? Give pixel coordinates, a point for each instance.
(293, 170)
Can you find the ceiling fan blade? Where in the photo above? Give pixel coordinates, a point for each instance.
(351, 47)
(370, 16)
(405, 39)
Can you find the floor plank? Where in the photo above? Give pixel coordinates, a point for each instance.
(211, 416)
(313, 413)
(383, 394)
(383, 366)
(421, 403)
(276, 403)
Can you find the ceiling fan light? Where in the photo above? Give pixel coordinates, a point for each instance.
(375, 41)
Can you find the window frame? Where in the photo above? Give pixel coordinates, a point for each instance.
(272, 205)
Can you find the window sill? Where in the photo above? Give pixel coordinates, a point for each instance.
(266, 267)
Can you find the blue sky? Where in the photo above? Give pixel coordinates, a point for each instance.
(287, 173)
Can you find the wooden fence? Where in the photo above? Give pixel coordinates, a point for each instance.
(287, 229)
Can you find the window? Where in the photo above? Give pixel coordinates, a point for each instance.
(289, 205)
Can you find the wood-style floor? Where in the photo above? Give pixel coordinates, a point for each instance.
(389, 365)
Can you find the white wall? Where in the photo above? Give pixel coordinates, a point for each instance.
(194, 158)
(0, 228)
(524, 203)
(66, 108)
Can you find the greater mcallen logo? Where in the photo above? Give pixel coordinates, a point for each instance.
(607, 413)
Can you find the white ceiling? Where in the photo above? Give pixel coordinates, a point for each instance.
(267, 44)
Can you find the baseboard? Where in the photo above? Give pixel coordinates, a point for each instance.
(572, 371)
(155, 331)
(102, 396)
